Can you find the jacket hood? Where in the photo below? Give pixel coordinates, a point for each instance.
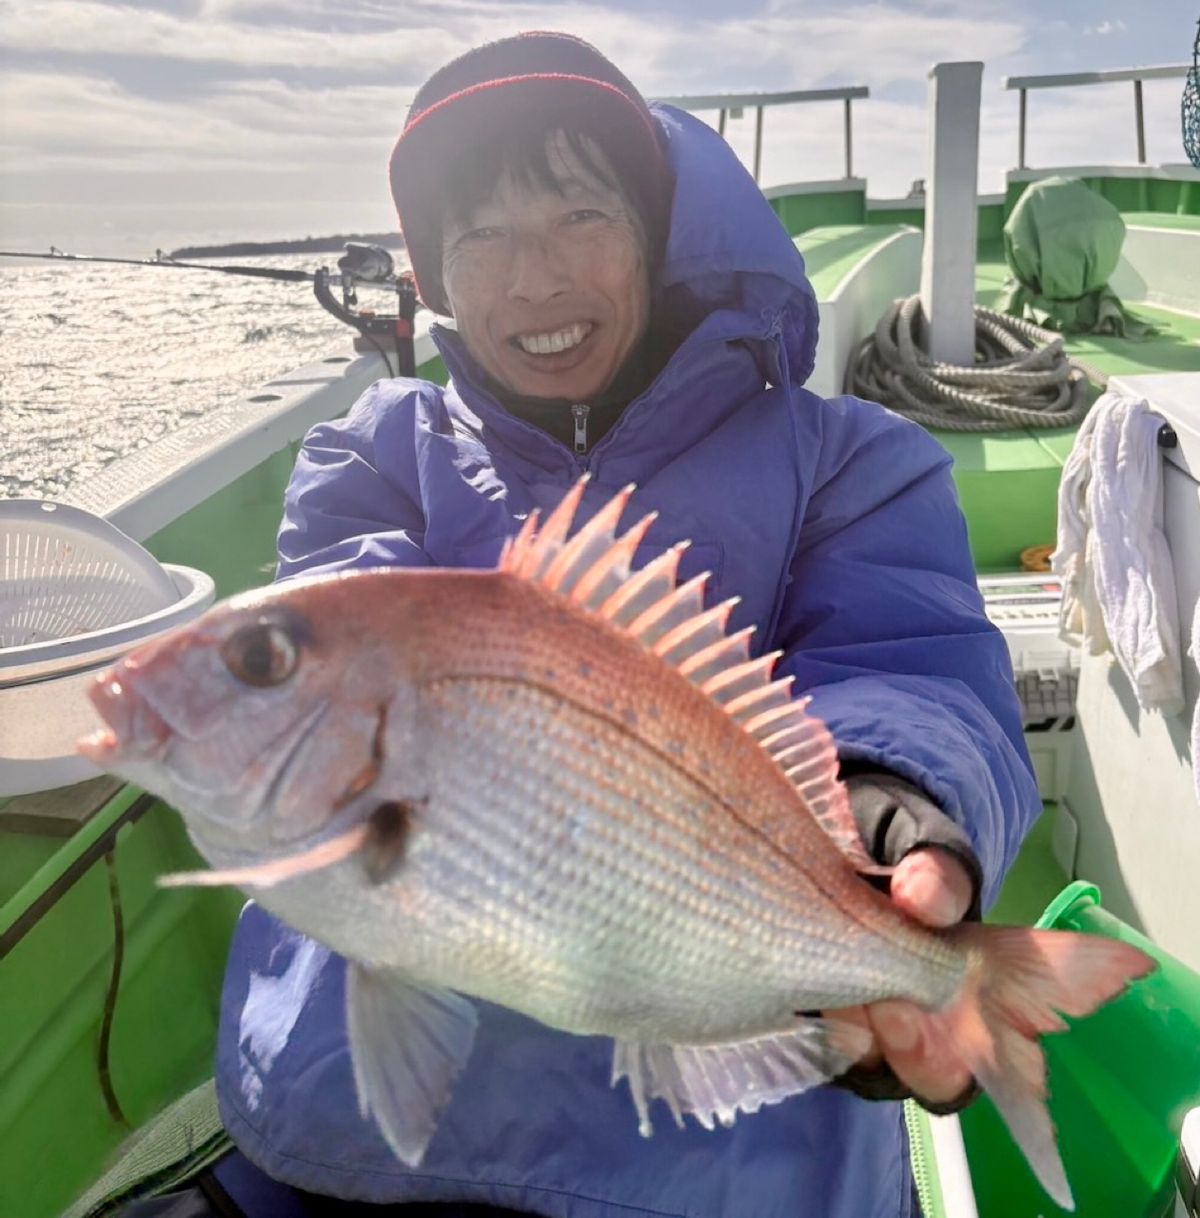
(727, 246)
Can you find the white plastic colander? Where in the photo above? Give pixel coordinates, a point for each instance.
(75, 594)
(67, 572)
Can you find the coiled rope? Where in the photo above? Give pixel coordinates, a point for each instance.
(1021, 377)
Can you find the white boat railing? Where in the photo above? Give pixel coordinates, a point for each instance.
(1067, 79)
(731, 105)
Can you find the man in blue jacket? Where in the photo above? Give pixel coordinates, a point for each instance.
(626, 303)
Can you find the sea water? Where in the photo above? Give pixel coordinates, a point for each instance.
(99, 360)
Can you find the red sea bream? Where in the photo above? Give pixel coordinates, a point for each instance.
(563, 787)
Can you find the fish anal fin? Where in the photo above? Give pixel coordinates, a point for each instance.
(713, 1083)
(408, 1044)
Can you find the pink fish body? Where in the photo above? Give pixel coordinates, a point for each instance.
(562, 787)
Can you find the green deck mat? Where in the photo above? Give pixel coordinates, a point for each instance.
(831, 252)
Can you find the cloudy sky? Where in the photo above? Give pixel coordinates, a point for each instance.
(128, 126)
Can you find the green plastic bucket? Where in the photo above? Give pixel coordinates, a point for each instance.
(1121, 1082)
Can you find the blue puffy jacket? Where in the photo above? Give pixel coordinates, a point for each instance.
(838, 525)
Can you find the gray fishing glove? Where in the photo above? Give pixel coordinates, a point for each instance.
(894, 817)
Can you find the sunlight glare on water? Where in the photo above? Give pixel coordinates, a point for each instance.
(100, 360)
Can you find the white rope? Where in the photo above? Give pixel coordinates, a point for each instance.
(1021, 377)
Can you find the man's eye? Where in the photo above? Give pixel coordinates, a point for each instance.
(475, 235)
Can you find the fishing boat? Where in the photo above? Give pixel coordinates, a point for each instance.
(109, 985)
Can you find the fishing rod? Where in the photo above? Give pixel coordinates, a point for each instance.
(165, 260)
(362, 264)
(372, 265)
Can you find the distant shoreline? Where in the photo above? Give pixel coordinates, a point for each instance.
(301, 245)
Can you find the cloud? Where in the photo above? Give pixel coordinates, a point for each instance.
(80, 121)
(84, 116)
(1107, 27)
(1094, 125)
(267, 117)
(115, 29)
(84, 123)
(774, 47)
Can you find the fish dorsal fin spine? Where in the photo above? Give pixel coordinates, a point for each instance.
(592, 568)
(702, 665)
(642, 588)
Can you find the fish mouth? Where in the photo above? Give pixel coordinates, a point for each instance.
(133, 730)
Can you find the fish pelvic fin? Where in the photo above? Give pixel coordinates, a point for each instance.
(592, 567)
(1019, 983)
(408, 1044)
(713, 1083)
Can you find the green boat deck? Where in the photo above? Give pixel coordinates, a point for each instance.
(1161, 219)
(1008, 483)
(832, 251)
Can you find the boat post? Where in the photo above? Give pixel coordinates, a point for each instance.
(948, 259)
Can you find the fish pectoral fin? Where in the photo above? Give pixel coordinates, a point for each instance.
(408, 1043)
(716, 1082)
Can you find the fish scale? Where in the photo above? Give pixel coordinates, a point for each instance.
(709, 894)
(618, 869)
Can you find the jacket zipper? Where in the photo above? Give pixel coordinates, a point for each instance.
(580, 413)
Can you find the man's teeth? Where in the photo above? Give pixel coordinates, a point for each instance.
(560, 340)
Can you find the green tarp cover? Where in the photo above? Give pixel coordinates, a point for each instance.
(1061, 243)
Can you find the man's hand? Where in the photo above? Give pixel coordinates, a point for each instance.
(934, 887)
(937, 880)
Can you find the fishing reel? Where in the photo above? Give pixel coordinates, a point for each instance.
(372, 264)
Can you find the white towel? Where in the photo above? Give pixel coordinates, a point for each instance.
(1112, 555)
(1080, 620)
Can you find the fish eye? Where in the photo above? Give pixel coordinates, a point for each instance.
(262, 655)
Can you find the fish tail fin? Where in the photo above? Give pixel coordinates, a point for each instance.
(1020, 982)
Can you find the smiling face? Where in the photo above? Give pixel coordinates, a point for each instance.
(549, 285)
